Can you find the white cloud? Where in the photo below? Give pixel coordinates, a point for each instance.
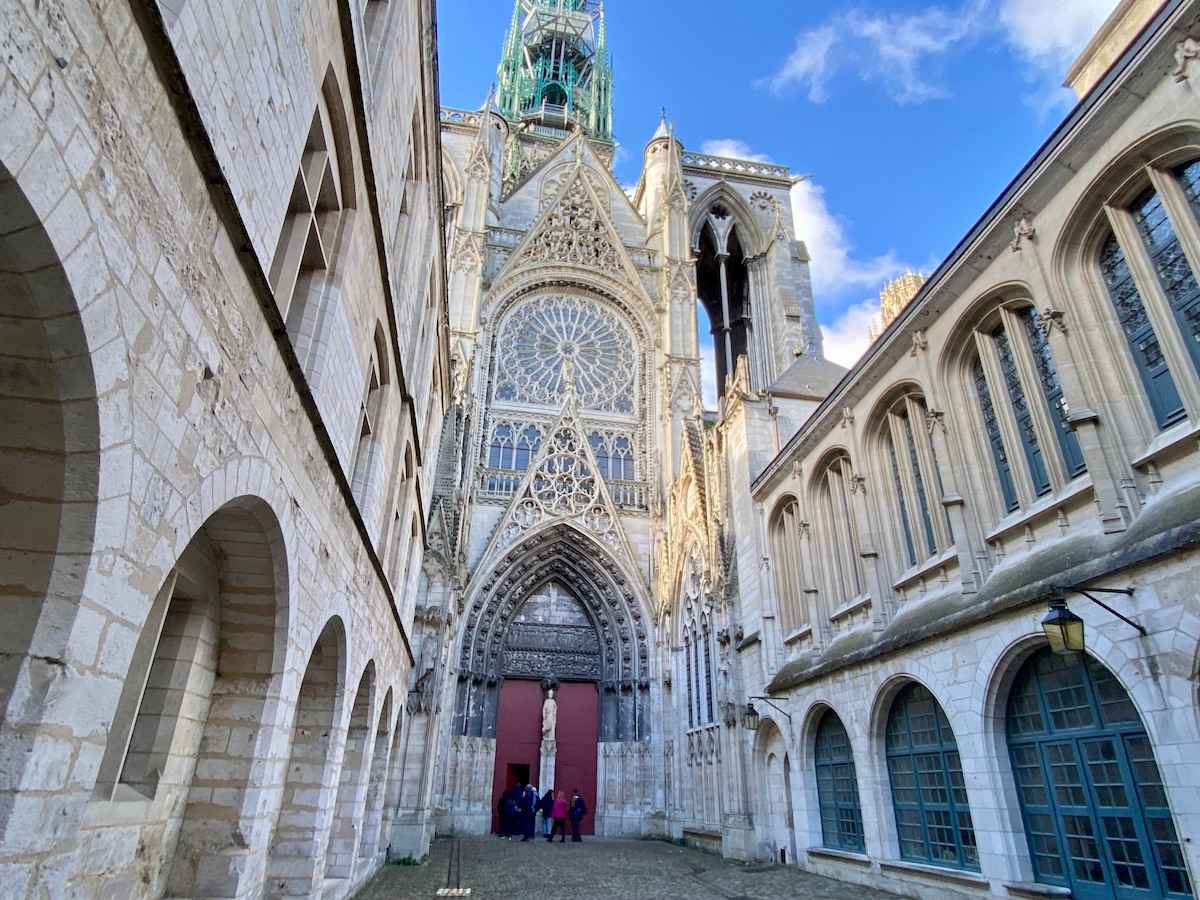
(733, 148)
(849, 335)
(900, 51)
(1049, 37)
(893, 49)
(835, 268)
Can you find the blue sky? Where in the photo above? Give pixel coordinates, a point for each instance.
(908, 117)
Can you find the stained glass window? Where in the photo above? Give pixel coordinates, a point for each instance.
(1043, 360)
(687, 656)
(1026, 428)
(902, 498)
(919, 480)
(933, 818)
(845, 576)
(548, 339)
(1172, 266)
(708, 675)
(991, 426)
(1139, 333)
(837, 787)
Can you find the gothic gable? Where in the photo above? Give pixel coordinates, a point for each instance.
(575, 229)
(563, 484)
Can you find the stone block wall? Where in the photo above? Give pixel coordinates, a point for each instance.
(198, 589)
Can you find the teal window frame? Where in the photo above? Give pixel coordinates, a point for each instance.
(929, 797)
(1091, 795)
(837, 786)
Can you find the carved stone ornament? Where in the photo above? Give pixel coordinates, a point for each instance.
(1049, 319)
(576, 231)
(1186, 51)
(858, 483)
(847, 416)
(920, 343)
(468, 250)
(1023, 231)
(805, 529)
(935, 419)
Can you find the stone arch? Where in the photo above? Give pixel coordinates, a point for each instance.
(875, 789)
(721, 193)
(194, 716)
(352, 780)
(49, 467)
(770, 750)
(805, 755)
(297, 855)
(611, 598)
(1170, 735)
(385, 740)
(1075, 276)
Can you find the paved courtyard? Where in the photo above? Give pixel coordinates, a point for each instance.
(603, 870)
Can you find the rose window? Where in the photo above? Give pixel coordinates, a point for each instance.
(550, 338)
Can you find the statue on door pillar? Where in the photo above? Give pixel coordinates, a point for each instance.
(549, 711)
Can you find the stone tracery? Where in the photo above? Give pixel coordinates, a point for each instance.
(491, 649)
(546, 331)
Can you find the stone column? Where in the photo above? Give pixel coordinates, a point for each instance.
(546, 765)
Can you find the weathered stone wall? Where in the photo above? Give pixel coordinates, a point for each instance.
(146, 166)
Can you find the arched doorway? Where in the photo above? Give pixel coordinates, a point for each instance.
(556, 609)
(1092, 800)
(550, 649)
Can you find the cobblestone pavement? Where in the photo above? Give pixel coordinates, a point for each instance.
(603, 870)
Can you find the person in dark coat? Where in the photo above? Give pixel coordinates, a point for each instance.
(504, 810)
(546, 808)
(528, 806)
(575, 813)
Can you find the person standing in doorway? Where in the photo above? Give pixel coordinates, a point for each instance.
(576, 813)
(546, 808)
(560, 817)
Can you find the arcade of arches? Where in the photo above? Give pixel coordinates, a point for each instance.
(345, 483)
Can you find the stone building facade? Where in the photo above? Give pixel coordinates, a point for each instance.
(225, 364)
(1024, 430)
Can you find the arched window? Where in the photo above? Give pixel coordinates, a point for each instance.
(369, 409)
(1020, 399)
(687, 656)
(1149, 228)
(837, 787)
(786, 530)
(836, 484)
(322, 189)
(708, 675)
(915, 481)
(1092, 798)
(1161, 391)
(933, 820)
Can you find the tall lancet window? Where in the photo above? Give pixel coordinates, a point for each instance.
(723, 283)
(687, 656)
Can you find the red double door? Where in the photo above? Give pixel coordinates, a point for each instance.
(519, 741)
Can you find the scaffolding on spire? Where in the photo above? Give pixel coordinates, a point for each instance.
(555, 72)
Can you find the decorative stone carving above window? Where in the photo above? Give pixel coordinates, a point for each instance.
(561, 174)
(576, 231)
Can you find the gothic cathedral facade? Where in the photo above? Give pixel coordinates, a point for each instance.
(579, 435)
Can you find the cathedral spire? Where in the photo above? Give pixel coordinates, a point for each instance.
(555, 71)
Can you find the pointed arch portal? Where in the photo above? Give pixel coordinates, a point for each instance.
(556, 609)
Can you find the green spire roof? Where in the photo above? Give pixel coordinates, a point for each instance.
(555, 70)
